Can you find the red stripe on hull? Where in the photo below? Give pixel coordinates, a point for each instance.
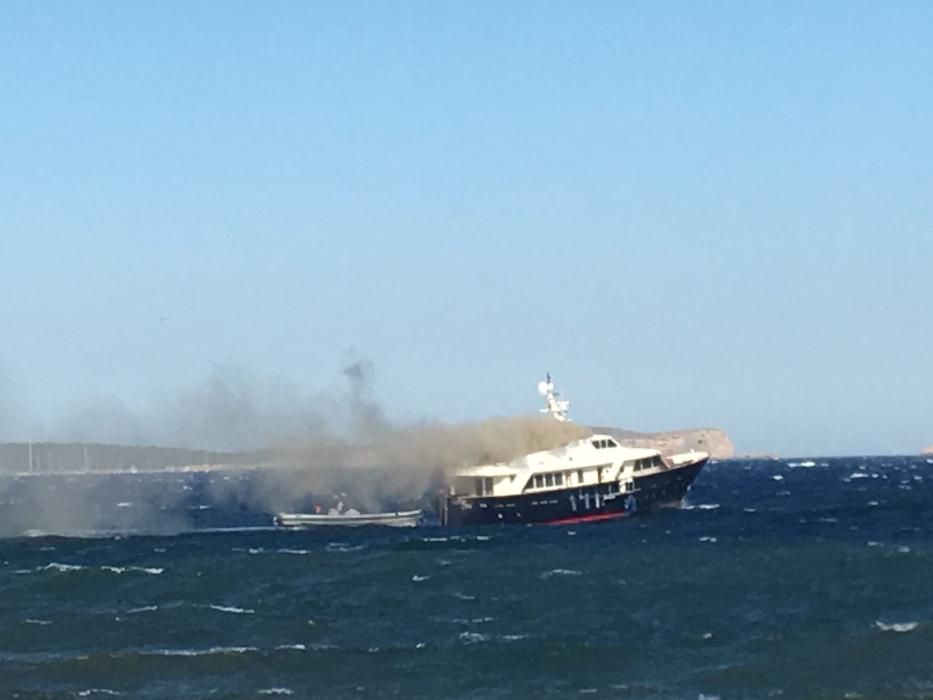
(586, 518)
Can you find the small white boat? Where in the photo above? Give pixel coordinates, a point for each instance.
(406, 518)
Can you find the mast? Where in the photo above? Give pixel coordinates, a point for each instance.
(554, 407)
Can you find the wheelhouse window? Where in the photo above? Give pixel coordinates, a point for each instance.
(649, 462)
(482, 486)
(548, 480)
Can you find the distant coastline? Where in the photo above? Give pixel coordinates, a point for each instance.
(76, 457)
(99, 458)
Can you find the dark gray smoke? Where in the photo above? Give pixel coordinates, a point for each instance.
(305, 443)
(237, 409)
(232, 408)
(105, 420)
(402, 463)
(365, 415)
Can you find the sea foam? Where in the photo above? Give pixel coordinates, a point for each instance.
(231, 609)
(895, 626)
(560, 572)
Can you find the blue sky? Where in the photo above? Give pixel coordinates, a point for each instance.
(692, 214)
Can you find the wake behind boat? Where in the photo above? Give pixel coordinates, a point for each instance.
(352, 518)
(591, 479)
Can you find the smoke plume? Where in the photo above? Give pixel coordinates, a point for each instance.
(303, 445)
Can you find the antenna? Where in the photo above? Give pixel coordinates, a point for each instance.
(552, 406)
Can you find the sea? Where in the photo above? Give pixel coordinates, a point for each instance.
(806, 578)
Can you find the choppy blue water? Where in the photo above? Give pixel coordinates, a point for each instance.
(778, 579)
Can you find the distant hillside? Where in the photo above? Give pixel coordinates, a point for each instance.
(67, 457)
(711, 440)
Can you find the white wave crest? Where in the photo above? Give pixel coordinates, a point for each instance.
(343, 547)
(473, 621)
(561, 572)
(145, 608)
(473, 637)
(276, 691)
(139, 569)
(231, 609)
(895, 626)
(702, 506)
(512, 637)
(200, 652)
(55, 566)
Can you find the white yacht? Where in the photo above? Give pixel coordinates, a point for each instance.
(591, 479)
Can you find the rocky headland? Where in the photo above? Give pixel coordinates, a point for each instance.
(712, 440)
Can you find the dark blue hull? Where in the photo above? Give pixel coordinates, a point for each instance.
(590, 503)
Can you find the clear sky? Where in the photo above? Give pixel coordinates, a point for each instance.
(690, 213)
